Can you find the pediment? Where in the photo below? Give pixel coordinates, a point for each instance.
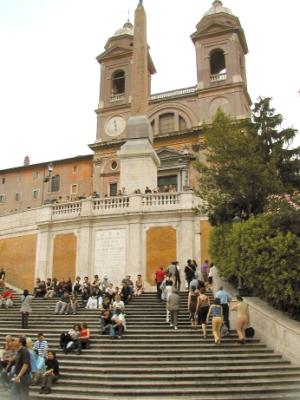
(114, 52)
(168, 153)
(212, 28)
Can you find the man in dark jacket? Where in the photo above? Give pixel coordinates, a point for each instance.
(189, 271)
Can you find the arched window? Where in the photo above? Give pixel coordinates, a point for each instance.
(217, 63)
(118, 82)
(167, 123)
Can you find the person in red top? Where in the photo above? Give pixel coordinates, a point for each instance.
(159, 277)
(84, 338)
(7, 298)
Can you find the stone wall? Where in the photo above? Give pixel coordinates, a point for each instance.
(17, 257)
(64, 256)
(205, 229)
(161, 249)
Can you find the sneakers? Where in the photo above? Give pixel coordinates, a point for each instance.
(171, 325)
(175, 327)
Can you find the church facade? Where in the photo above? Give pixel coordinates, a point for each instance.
(90, 214)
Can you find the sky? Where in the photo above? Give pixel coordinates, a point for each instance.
(49, 77)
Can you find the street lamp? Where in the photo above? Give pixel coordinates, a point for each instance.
(186, 154)
(242, 290)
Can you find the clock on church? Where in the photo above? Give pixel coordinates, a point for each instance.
(115, 126)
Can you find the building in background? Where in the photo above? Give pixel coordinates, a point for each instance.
(73, 221)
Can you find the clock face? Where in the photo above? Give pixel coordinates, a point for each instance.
(115, 126)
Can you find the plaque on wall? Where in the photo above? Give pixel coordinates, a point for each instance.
(110, 254)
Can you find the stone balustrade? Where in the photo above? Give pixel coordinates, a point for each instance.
(173, 93)
(94, 207)
(117, 97)
(218, 77)
(120, 204)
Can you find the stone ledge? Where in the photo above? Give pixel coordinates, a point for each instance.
(274, 327)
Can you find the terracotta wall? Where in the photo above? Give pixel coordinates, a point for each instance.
(161, 249)
(17, 257)
(64, 256)
(205, 229)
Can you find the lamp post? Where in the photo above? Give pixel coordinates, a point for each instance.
(242, 290)
(47, 179)
(186, 154)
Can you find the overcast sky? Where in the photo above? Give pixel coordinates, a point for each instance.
(49, 78)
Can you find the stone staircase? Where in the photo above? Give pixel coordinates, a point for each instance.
(153, 361)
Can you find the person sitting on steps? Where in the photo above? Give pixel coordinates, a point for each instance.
(63, 305)
(51, 374)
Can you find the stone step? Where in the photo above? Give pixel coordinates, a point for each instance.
(161, 391)
(199, 376)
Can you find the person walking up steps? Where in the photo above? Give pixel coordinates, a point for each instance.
(173, 305)
(202, 308)
(216, 311)
(243, 318)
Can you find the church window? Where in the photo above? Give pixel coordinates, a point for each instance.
(114, 165)
(75, 169)
(217, 63)
(182, 124)
(167, 183)
(167, 123)
(118, 82)
(55, 183)
(3, 181)
(2, 198)
(113, 189)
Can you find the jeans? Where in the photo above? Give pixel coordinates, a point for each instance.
(48, 380)
(62, 308)
(226, 315)
(24, 318)
(116, 331)
(20, 391)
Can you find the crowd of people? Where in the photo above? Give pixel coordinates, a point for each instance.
(198, 280)
(24, 362)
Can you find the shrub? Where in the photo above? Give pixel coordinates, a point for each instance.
(267, 258)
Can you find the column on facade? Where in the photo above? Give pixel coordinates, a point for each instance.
(186, 242)
(85, 252)
(43, 265)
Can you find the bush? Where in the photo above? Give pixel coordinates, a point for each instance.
(267, 258)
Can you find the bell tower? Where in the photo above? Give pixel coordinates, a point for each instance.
(116, 84)
(220, 54)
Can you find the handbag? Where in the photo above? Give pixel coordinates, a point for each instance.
(224, 330)
(249, 332)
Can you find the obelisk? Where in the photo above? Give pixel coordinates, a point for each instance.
(138, 160)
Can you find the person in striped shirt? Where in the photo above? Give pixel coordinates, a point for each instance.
(41, 345)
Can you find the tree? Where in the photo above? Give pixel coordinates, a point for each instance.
(235, 179)
(276, 143)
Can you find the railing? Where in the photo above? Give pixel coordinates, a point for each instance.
(218, 77)
(160, 199)
(136, 203)
(66, 209)
(110, 203)
(174, 93)
(117, 97)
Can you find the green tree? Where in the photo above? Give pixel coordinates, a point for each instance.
(235, 179)
(276, 143)
(267, 259)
